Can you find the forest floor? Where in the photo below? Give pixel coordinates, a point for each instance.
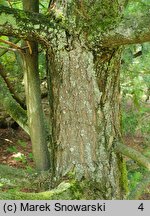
(15, 151)
(15, 148)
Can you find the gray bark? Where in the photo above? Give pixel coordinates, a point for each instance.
(85, 108)
(84, 87)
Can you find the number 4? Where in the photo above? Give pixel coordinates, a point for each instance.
(141, 207)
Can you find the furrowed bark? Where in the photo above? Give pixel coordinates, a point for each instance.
(86, 118)
(84, 89)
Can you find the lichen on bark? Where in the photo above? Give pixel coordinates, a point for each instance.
(83, 74)
(85, 117)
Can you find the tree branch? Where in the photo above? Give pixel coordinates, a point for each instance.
(135, 155)
(132, 30)
(10, 44)
(8, 49)
(25, 25)
(10, 88)
(12, 107)
(38, 27)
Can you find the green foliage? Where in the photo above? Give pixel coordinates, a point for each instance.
(12, 68)
(137, 6)
(135, 82)
(30, 155)
(4, 182)
(147, 152)
(135, 71)
(43, 4)
(129, 122)
(134, 179)
(11, 178)
(20, 158)
(29, 169)
(76, 189)
(16, 4)
(13, 181)
(11, 173)
(135, 176)
(136, 121)
(22, 143)
(4, 2)
(12, 149)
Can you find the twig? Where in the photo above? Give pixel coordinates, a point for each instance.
(10, 3)
(5, 51)
(10, 44)
(8, 49)
(29, 46)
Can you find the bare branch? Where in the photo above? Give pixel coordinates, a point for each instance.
(10, 44)
(8, 49)
(10, 4)
(5, 50)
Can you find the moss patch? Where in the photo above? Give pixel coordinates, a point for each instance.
(13, 181)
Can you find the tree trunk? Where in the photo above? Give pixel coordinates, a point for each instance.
(85, 113)
(33, 99)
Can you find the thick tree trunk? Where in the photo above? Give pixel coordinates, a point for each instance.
(85, 113)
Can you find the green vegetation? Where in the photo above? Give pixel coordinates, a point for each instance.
(19, 184)
(87, 25)
(136, 106)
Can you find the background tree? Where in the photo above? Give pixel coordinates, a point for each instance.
(33, 97)
(83, 42)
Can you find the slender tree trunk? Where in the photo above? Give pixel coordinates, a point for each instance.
(85, 111)
(33, 98)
